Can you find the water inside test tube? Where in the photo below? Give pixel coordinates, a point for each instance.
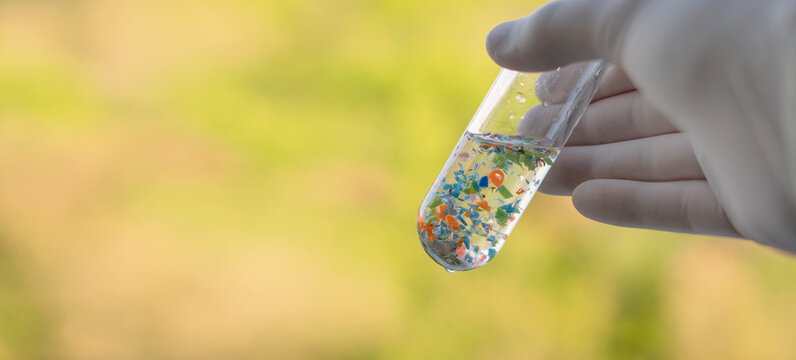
(479, 196)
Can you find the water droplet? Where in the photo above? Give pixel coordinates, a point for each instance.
(511, 116)
(520, 99)
(450, 271)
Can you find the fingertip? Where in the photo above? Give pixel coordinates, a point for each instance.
(536, 122)
(496, 41)
(529, 43)
(591, 197)
(582, 198)
(510, 45)
(562, 32)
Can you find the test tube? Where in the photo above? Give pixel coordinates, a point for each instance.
(500, 161)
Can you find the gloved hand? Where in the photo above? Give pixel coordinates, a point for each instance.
(694, 130)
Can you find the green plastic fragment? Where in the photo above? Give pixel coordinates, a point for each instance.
(528, 161)
(431, 218)
(514, 157)
(436, 202)
(504, 192)
(471, 187)
(535, 153)
(501, 216)
(500, 160)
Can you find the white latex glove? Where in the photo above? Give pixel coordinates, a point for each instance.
(694, 131)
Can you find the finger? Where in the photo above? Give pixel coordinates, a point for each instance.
(538, 120)
(553, 87)
(616, 82)
(660, 158)
(618, 118)
(562, 32)
(682, 206)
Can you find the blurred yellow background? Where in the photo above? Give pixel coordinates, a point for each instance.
(239, 179)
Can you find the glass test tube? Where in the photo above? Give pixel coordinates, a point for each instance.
(500, 161)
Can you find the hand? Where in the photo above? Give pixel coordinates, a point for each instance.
(697, 133)
(627, 164)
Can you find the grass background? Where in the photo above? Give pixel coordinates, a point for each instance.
(239, 179)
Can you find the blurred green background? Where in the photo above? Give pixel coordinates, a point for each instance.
(239, 179)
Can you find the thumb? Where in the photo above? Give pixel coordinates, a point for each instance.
(563, 32)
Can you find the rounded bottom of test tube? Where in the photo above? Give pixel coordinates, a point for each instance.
(448, 263)
(480, 194)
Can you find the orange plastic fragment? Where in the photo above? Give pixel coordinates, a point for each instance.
(441, 210)
(520, 191)
(497, 177)
(484, 205)
(466, 214)
(452, 223)
(427, 228)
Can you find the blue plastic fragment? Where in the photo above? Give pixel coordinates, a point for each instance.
(510, 208)
(492, 253)
(456, 190)
(484, 182)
